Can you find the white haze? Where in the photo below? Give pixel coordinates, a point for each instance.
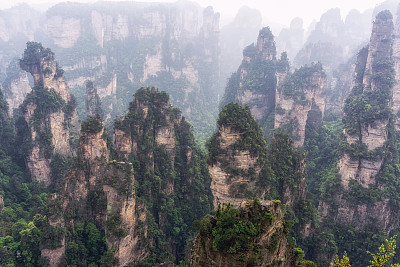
(278, 11)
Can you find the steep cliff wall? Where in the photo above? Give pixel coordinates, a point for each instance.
(101, 191)
(255, 81)
(223, 246)
(370, 130)
(242, 167)
(93, 103)
(171, 46)
(363, 195)
(300, 100)
(16, 86)
(170, 170)
(333, 40)
(49, 112)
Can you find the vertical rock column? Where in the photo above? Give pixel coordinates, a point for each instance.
(49, 112)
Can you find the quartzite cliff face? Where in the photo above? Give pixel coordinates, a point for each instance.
(242, 167)
(97, 189)
(276, 97)
(366, 183)
(49, 112)
(269, 243)
(255, 81)
(300, 100)
(169, 167)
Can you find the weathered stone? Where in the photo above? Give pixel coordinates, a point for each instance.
(203, 252)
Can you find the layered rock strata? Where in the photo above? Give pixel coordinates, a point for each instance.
(49, 112)
(272, 244)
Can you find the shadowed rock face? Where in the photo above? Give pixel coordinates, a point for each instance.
(271, 240)
(49, 112)
(93, 103)
(256, 79)
(113, 184)
(367, 139)
(300, 100)
(372, 135)
(242, 167)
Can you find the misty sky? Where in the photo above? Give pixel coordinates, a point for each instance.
(280, 11)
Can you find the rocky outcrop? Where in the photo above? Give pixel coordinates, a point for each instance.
(365, 163)
(16, 86)
(300, 100)
(333, 41)
(396, 61)
(93, 104)
(241, 168)
(49, 112)
(373, 133)
(291, 39)
(1, 203)
(255, 81)
(171, 173)
(95, 179)
(273, 248)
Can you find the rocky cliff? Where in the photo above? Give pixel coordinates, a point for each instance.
(102, 191)
(255, 81)
(370, 132)
(234, 37)
(363, 196)
(266, 244)
(93, 103)
(333, 40)
(242, 167)
(169, 167)
(171, 46)
(16, 86)
(49, 112)
(300, 99)
(121, 46)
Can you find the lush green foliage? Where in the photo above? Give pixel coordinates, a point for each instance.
(33, 53)
(92, 125)
(240, 120)
(158, 169)
(379, 259)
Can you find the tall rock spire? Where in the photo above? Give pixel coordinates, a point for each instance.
(49, 112)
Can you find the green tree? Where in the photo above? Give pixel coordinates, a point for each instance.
(385, 253)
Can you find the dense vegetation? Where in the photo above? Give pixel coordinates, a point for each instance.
(173, 185)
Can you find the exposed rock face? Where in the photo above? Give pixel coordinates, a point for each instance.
(271, 240)
(170, 170)
(291, 39)
(396, 61)
(113, 182)
(372, 135)
(1, 203)
(364, 166)
(49, 112)
(243, 160)
(301, 99)
(93, 104)
(16, 86)
(20, 19)
(255, 81)
(234, 37)
(240, 167)
(333, 40)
